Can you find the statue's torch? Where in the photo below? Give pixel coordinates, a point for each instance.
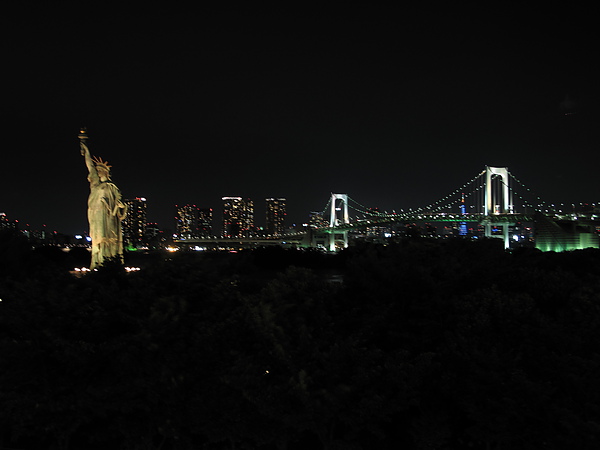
(82, 138)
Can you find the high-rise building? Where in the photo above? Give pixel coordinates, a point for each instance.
(152, 232)
(275, 216)
(134, 224)
(238, 217)
(6, 223)
(316, 220)
(205, 218)
(192, 222)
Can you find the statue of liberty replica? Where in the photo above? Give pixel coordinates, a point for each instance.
(106, 209)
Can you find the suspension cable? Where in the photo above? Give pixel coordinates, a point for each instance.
(537, 197)
(473, 189)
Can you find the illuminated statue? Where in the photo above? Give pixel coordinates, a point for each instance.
(106, 210)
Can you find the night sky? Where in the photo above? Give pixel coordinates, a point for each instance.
(395, 108)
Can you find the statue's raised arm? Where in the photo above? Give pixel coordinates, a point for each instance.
(85, 152)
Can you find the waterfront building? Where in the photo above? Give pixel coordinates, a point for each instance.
(238, 217)
(134, 224)
(317, 220)
(275, 216)
(6, 223)
(192, 222)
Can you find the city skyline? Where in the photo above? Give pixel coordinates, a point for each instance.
(137, 214)
(212, 224)
(395, 111)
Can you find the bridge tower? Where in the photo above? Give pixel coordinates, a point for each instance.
(491, 203)
(494, 206)
(341, 205)
(338, 238)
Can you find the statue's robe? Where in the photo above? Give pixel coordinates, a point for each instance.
(105, 213)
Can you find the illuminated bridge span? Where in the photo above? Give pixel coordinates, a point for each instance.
(490, 193)
(488, 200)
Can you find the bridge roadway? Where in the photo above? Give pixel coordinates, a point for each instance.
(300, 238)
(305, 238)
(238, 242)
(432, 217)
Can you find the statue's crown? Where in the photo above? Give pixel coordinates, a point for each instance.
(102, 164)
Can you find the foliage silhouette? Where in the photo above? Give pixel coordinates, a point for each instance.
(420, 344)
